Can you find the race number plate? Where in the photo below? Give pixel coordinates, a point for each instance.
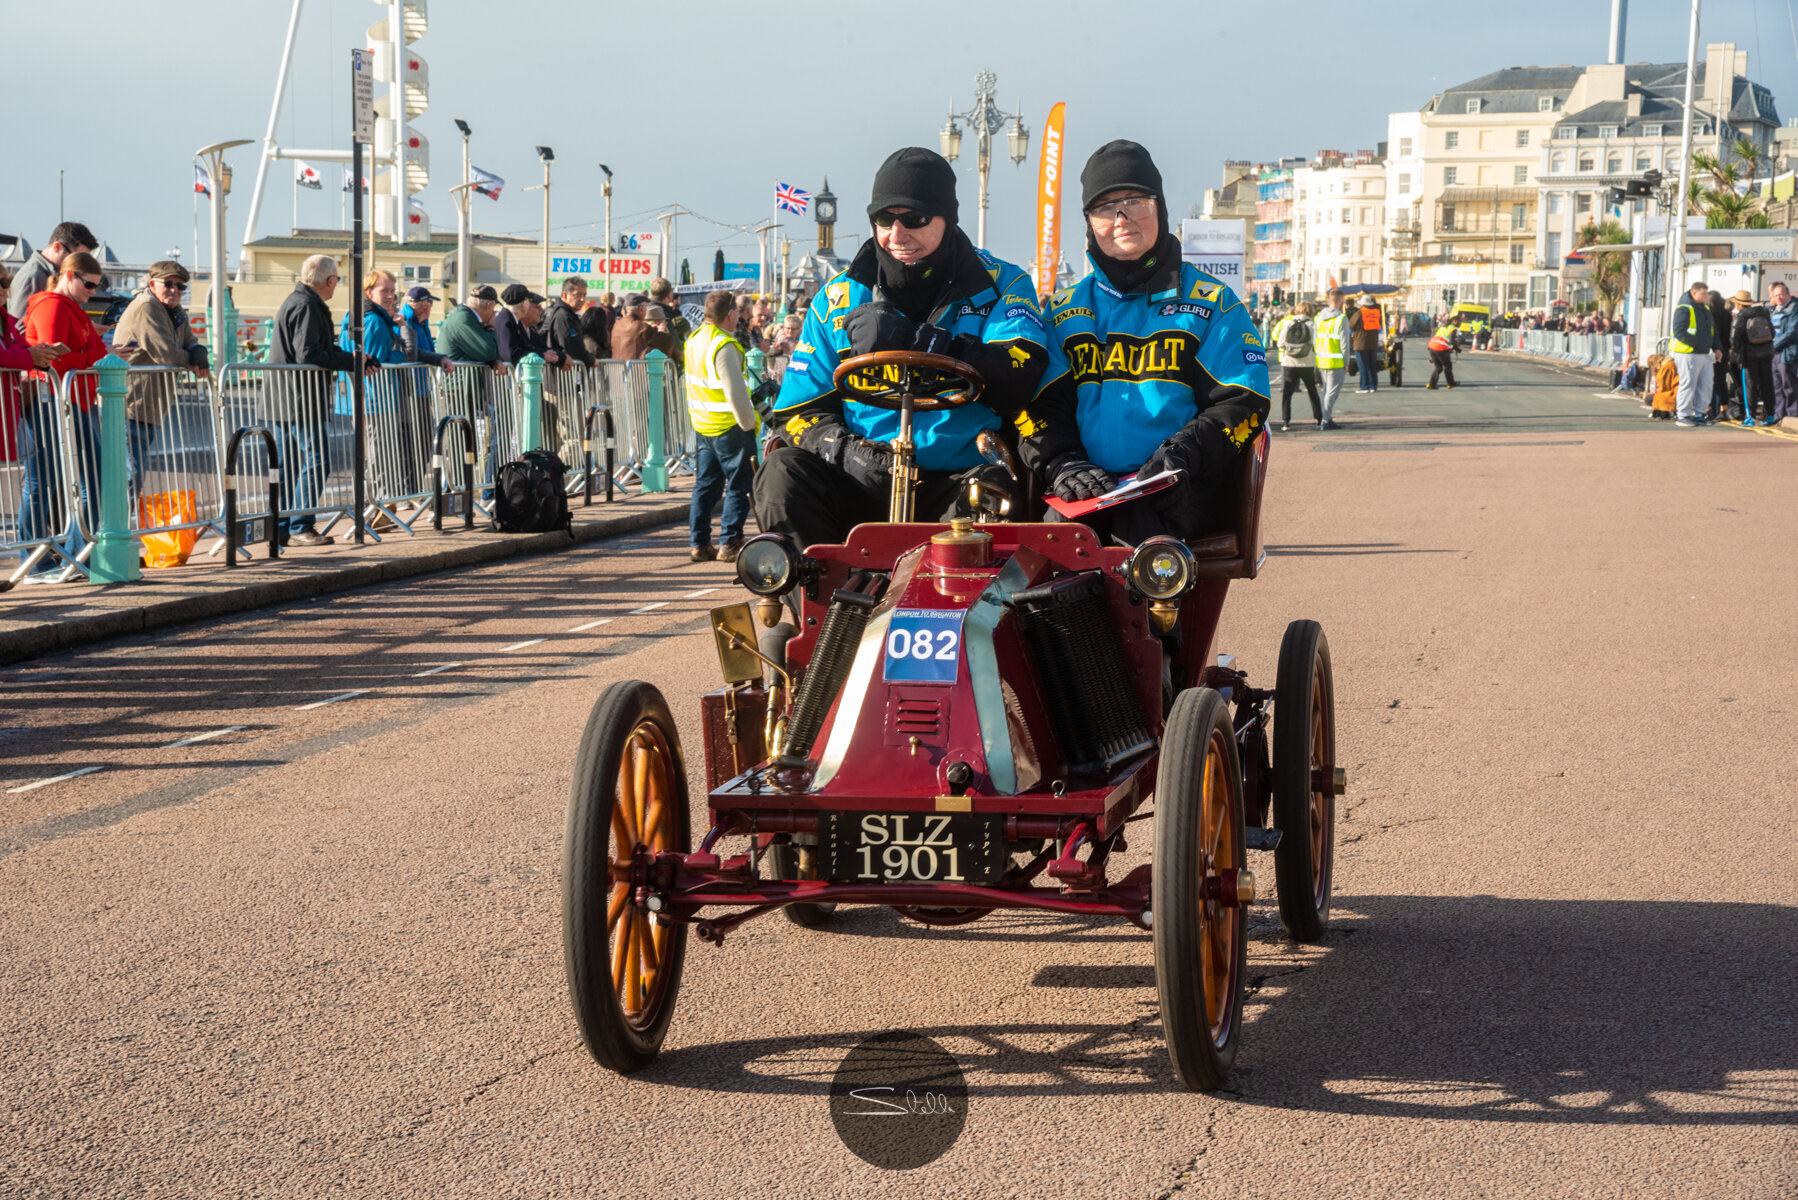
(923, 645)
(863, 847)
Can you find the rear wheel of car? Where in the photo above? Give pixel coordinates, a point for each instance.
(628, 803)
(1199, 884)
(1304, 780)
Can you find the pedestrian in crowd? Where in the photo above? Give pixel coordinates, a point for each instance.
(596, 328)
(1442, 351)
(1368, 325)
(633, 336)
(1328, 345)
(745, 331)
(517, 327)
(787, 336)
(43, 267)
(416, 399)
(561, 327)
(58, 317)
(661, 292)
(1752, 349)
(154, 331)
(1295, 338)
(1784, 313)
(1726, 385)
(16, 355)
(468, 330)
(1693, 356)
(724, 423)
(301, 336)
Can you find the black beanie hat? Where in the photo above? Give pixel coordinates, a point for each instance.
(1115, 165)
(918, 179)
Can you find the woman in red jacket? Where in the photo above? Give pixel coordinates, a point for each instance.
(55, 318)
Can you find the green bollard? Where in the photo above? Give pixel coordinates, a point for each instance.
(530, 420)
(655, 463)
(115, 551)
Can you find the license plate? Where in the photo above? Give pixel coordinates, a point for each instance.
(923, 645)
(912, 847)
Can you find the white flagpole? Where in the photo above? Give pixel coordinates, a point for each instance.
(296, 196)
(196, 247)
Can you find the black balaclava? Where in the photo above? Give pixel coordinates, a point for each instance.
(923, 181)
(1125, 164)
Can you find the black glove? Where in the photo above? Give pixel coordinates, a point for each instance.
(1167, 457)
(867, 462)
(879, 326)
(1072, 478)
(933, 339)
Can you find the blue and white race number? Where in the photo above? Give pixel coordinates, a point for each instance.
(923, 645)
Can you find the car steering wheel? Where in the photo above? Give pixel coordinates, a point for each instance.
(883, 378)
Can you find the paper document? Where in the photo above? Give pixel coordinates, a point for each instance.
(1127, 489)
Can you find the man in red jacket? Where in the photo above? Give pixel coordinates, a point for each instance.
(55, 318)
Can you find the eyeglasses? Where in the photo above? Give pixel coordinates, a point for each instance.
(1130, 208)
(911, 220)
(171, 285)
(91, 285)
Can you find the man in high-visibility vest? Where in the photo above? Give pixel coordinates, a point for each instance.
(1692, 343)
(1442, 352)
(724, 420)
(1330, 371)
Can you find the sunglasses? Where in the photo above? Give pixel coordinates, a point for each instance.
(90, 284)
(1131, 208)
(171, 285)
(911, 220)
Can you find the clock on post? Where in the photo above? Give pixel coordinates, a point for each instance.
(827, 217)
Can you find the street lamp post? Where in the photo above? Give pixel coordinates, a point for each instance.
(464, 230)
(605, 189)
(214, 158)
(548, 156)
(985, 119)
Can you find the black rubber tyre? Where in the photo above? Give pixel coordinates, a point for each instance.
(630, 786)
(1201, 944)
(1305, 815)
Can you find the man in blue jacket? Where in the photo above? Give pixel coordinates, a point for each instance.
(1154, 366)
(917, 284)
(1784, 311)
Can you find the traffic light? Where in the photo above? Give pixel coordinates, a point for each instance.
(397, 64)
(1448, 296)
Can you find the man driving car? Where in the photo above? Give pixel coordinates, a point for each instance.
(918, 284)
(1155, 366)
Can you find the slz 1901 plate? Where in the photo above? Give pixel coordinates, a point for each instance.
(914, 847)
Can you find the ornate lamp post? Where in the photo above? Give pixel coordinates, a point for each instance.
(985, 119)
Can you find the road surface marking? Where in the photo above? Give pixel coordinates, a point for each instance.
(522, 645)
(648, 607)
(204, 737)
(591, 625)
(437, 670)
(333, 699)
(701, 592)
(54, 779)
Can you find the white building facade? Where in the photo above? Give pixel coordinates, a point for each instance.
(1339, 213)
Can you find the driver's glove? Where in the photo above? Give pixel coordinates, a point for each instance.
(932, 339)
(867, 462)
(1074, 478)
(1168, 456)
(878, 326)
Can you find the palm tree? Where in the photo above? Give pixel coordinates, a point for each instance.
(1726, 200)
(1610, 270)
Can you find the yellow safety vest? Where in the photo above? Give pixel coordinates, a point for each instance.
(1680, 344)
(1328, 341)
(708, 404)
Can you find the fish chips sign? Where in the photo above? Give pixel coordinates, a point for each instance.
(1048, 203)
(1214, 247)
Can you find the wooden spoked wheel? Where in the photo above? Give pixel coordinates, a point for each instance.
(1304, 780)
(628, 803)
(1199, 889)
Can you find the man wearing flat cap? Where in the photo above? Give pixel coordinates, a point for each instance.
(918, 284)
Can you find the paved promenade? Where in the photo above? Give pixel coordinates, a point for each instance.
(284, 920)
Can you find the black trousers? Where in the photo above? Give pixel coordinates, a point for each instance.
(1757, 375)
(1290, 377)
(815, 502)
(1444, 361)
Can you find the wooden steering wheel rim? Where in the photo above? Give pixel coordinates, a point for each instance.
(972, 383)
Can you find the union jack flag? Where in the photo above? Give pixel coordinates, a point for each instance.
(791, 199)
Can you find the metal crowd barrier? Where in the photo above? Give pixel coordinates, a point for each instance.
(39, 494)
(314, 432)
(1602, 350)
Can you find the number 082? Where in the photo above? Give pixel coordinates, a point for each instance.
(923, 644)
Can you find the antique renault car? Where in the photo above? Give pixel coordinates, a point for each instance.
(953, 719)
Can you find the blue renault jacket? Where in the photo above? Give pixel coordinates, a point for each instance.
(1179, 360)
(990, 302)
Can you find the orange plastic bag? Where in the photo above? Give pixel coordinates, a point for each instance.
(167, 508)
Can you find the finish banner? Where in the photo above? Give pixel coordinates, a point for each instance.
(1048, 204)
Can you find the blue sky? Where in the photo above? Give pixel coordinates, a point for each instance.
(709, 113)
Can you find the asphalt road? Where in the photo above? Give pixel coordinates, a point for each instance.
(315, 950)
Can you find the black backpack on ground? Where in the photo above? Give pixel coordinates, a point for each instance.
(528, 495)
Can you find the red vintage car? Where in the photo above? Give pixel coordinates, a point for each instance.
(961, 718)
